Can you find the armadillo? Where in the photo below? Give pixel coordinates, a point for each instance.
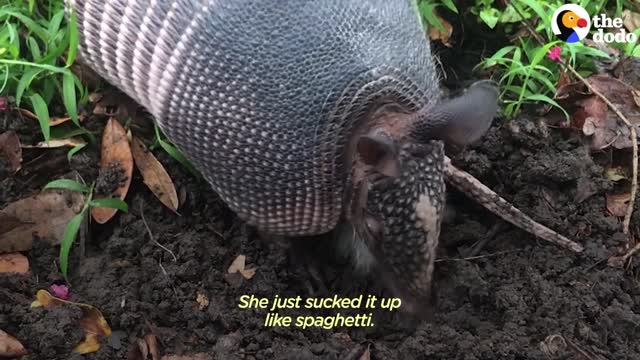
(304, 114)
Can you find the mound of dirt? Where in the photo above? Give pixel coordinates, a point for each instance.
(509, 297)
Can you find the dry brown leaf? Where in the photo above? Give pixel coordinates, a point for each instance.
(10, 346)
(154, 175)
(366, 355)
(617, 203)
(56, 143)
(238, 266)
(248, 273)
(92, 322)
(139, 350)
(152, 342)
(116, 153)
(54, 121)
(616, 173)
(14, 263)
(10, 150)
(636, 96)
(88, 345)
(436, 34)
(601, 124)
(44, 215)
(202, 300)
(198, 356)
(631, 20)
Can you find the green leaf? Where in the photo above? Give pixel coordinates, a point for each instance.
(34, 48)
(70, 233)
(24, 82)
(14, 41)
(41, 110)
(541, 52)
(630, 47)
(5, 73)
(426, 9)
(535, 6)
(499, 55)
(548, 100)
(113, 203)
(55, 69)
(67, 184)
(176, 154)
(69, 96)
(54, 25)
(28, 22)
(73, 38)
(74, 150)
(490, 16)
(450, 5)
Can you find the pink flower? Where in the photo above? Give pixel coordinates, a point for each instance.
(3, 103)
(554, 53)
(60, 291)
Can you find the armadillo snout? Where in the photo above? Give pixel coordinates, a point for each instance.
(403, 223)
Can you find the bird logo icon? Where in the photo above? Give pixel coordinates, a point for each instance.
(571, 23)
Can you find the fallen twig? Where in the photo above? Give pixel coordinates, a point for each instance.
(144, 221)
(493, 202)
(620, 261)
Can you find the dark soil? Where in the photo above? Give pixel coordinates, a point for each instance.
(501, 294)
(503, 304)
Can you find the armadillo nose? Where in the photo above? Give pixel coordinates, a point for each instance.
(582, 23)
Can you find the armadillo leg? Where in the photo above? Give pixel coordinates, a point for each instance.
(486, 197)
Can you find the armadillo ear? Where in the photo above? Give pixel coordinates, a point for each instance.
(461, 120)
(380, 151)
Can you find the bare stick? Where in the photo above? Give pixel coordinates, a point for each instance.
(493, 202)
(619, 261)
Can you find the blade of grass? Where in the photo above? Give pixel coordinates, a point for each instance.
(24, 82)
(28, 22)
(54, 24)
(55, 69)
(113, 203)
(34, 48)
(41, 110)
(73, 39)
(175, 153)
(67, 184)
(74, 150)
(70, 233)
(69, 96)
(5, 71)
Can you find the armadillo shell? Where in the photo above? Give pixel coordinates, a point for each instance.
(262, 95)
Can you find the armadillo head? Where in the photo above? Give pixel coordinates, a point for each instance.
(401, 198)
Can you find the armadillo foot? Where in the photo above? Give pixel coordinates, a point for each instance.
(307, 267)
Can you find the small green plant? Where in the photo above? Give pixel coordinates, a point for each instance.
(174, 152)
(426, 8)
(527, 75)
(71, 230)
(37, 48)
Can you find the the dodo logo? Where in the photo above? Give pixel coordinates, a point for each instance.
(571, 23)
